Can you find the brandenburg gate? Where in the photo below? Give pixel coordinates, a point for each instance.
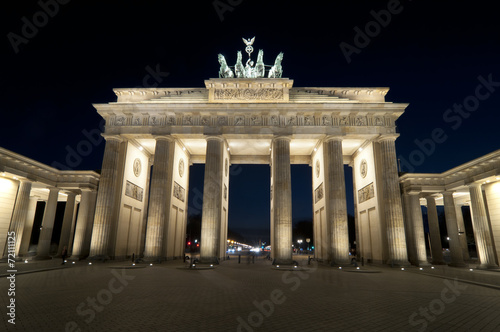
(249, 115)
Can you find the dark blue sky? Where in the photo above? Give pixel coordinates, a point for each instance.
(431, 54)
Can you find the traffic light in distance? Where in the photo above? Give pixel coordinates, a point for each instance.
(189, 243)
(197, 244)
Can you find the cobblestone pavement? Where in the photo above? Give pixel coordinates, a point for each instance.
(246, 297)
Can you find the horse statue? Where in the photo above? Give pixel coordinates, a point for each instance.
(238, 67)
(260, 69)
(224, 71)
(276, 71)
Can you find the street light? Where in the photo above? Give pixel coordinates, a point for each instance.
(299, 242)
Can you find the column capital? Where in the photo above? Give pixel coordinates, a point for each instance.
(333, 138)
(388, 137)
(278, 137)
(475, 185)
(214, 137)
(448, 193)
(117, 138)
(164, 137)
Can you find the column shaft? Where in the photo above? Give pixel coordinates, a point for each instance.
(19, 216)
(392, 203)
(462, 235)
(83, 225)
(336, 201)
(282, 200)
(417, 228)
(67, 221)
(28, 226)
(457, 258)
(159, 199)
(49, 215)
(212, 201)
(410, 243)
(432, 217)
(482, 231)
(106, 199)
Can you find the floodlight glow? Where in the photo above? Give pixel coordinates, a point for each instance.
(357, 268)
(432, 267)
(90, 263)
(471, 270)
(150, 264)
(421, 269)
(26, 261)
(402, 269)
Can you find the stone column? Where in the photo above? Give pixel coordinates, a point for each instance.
(28, 226)
(392, 202)
(159, 199)
(19, 216)
(212, 200)
(43, 249)
(106, 199)
(410, 243)
(282, 200)
(432, 217)
(73, 225)
(66, 225)
(417, 229)
(461, 232)
(482, 231)
(457, 258)
(336, 201)
(83, 224)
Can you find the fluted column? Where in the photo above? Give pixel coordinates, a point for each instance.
(159, 199)
(336, 201)
(19, 216)
(43, 249)
(282, 201)
(482, 231)
(417, 228)
(436, 245)
(392, 202)
(462, 236)
(410, 243)
(106, 199)
(73, 226)
(212, 201)
(67, 221)
(83, 225)
(28, 226)
(457, 258)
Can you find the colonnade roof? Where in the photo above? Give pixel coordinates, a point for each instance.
(482, 170)
(20, 168)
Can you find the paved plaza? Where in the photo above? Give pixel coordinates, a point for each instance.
(117, 296)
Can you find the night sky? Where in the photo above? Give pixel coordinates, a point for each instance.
(433, 55)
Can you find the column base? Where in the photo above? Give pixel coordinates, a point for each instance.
(41, 258)
(208, 260)
(438, 263)
(279, 261)
(103, 258)
(76, 258)
(423, 264)
(399, 263)
(458, 265)
(487, 267)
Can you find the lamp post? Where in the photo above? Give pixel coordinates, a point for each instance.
(299, 242)
(308, 240)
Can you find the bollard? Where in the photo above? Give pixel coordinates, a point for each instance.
(239, 259)
(308, 260)
(133, 256)
(253, 259)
